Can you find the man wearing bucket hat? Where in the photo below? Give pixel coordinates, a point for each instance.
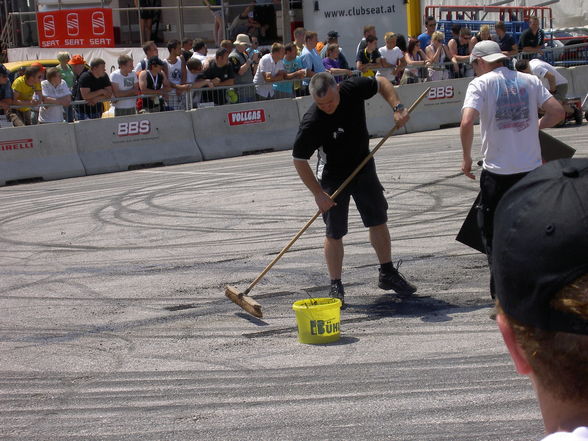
(506, 102)
(243, 63)
(541, 273)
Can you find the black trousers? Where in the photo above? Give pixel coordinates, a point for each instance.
(493, 187)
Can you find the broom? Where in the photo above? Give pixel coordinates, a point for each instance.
(248, 303)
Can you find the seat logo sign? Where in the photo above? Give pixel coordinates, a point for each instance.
(441, 92)
(87, 27)
(49, 26)
(134, 128)
(256, 116)
(72, 22)
(98, 23)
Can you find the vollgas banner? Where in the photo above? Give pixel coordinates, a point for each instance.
(348, 17)
(76, 28)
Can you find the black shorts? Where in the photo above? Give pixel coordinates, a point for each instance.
(368, 194)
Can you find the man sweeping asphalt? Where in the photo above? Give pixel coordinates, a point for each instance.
(335, 125)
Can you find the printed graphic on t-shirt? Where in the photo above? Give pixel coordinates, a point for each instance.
(176, 75)
(512, 106)
(128, 82)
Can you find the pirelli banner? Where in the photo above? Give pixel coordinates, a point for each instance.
(65, 28)
(44, 151)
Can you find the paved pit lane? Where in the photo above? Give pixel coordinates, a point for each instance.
(114, 324)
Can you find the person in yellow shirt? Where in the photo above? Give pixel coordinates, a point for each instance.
(24, 90)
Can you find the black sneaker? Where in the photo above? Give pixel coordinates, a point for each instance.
(396, 281)
(338, 292)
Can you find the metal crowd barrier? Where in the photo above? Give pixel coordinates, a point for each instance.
(564, 56)
(196, 97)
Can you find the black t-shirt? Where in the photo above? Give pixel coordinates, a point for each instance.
(75, 89)
(223, 73)
(366, 58)
(506, 43)
(89, 81)
(343, 136)
(530, 40)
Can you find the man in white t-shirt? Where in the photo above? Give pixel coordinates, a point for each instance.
(541, 272)
(270, 70)
(56, 93)
(507, 103)
(200, 50)
(125, 83)
(391, 55)
(555, 82)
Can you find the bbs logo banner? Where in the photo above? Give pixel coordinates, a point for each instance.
(133, 128)
(441, 92)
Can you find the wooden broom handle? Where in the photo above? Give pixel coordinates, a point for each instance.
(333, 196)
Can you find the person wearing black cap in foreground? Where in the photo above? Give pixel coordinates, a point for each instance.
(540, 268)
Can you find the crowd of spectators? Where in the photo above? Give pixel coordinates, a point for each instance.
(239, 71)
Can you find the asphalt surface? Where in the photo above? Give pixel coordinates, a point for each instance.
(114, 324)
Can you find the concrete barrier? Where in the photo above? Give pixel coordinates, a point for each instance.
(118, 144)
(46, 152)
(567, 74)
(303, 103)
(227, 131)
(441, 108)
(580, 77)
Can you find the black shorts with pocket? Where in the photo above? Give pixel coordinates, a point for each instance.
(368, 195)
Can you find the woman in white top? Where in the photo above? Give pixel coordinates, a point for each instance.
(57, 94)
(415, 59)
(438, 54)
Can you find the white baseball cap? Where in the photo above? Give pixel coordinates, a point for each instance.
(487, 50)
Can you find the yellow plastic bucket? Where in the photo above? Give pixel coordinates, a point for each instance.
(318, 320)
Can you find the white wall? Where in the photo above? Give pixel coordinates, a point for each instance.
(386, 15)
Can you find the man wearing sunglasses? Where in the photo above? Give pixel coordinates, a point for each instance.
(459, 47)
(430, 27)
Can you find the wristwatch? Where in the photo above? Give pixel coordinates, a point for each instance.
(399, 107)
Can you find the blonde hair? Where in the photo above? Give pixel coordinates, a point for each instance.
(63, 56)
(438, 36)
(389, 36)
(485, 30)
